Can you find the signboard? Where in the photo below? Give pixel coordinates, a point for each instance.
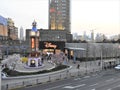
(33, 43)
(51, 45)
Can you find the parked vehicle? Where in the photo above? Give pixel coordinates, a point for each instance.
(3, 75)
(117, 67)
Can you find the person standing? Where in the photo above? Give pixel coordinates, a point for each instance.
(78, 66)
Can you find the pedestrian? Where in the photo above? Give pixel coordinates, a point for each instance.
(98, 63)
(78, 66)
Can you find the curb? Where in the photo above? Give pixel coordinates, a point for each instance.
(38, 75)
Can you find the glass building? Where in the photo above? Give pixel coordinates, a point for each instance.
(59, 15)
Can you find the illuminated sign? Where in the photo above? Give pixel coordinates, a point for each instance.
(32, 33)
(51, 45)
(47, 45)
(33, 42)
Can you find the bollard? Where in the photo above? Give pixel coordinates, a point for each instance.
(7, 87)
(67, 73)
(60, 76)
(36, 81)
(23, 83)
(78, 73)
(49, 78)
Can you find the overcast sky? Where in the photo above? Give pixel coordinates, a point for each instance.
(102, 16)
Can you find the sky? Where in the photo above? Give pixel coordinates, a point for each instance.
(101, 16)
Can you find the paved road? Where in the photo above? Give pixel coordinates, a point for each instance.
(107, 80)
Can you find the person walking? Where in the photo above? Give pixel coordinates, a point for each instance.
(78, 66)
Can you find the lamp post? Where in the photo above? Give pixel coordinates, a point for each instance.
(101, 55)
(87, 48)
(0, 75)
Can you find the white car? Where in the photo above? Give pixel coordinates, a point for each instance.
(117, 67)
(3, 75)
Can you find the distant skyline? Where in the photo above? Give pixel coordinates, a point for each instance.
(102, 16)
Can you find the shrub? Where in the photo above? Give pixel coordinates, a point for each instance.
(16, 73)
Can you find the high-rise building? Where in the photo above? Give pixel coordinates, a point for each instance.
(12, 30)
(21, 34)
(3, 27)
(59, 15)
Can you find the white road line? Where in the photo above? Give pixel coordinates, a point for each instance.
(110, 80)
(86, 76)
(93, 89)
(69, 87)
(94, 84)
(79, 85)
(72, 87)
(77, 78)
(58, 86)
(113, 87)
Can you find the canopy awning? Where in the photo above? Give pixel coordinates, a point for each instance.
(73, 48)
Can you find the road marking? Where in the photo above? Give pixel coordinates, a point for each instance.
(58, 86)
(94, 74)
(86, 76)
(94, 84)
(72, 87)
(93, 89)
(69, 87)
(79, 85)
(110, 80)
(114, 87)
(77, 78)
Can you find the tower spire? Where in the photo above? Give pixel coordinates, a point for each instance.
(34, 24)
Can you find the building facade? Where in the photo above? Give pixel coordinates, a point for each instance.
(21, 34)
(12, 30)
(50, 39)
(3, 27)
(59, 15)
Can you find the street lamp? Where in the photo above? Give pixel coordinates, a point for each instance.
(101, 55)
(0, 75)
(87, 48)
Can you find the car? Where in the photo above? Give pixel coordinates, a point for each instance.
(117, 67)
(3, 75)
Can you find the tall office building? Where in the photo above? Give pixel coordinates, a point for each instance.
(3, 27)
(59, 15)
(12, 30)
(21, 34)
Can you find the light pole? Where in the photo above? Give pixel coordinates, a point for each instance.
(0, 74)
(101, 55)
(87, 48)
